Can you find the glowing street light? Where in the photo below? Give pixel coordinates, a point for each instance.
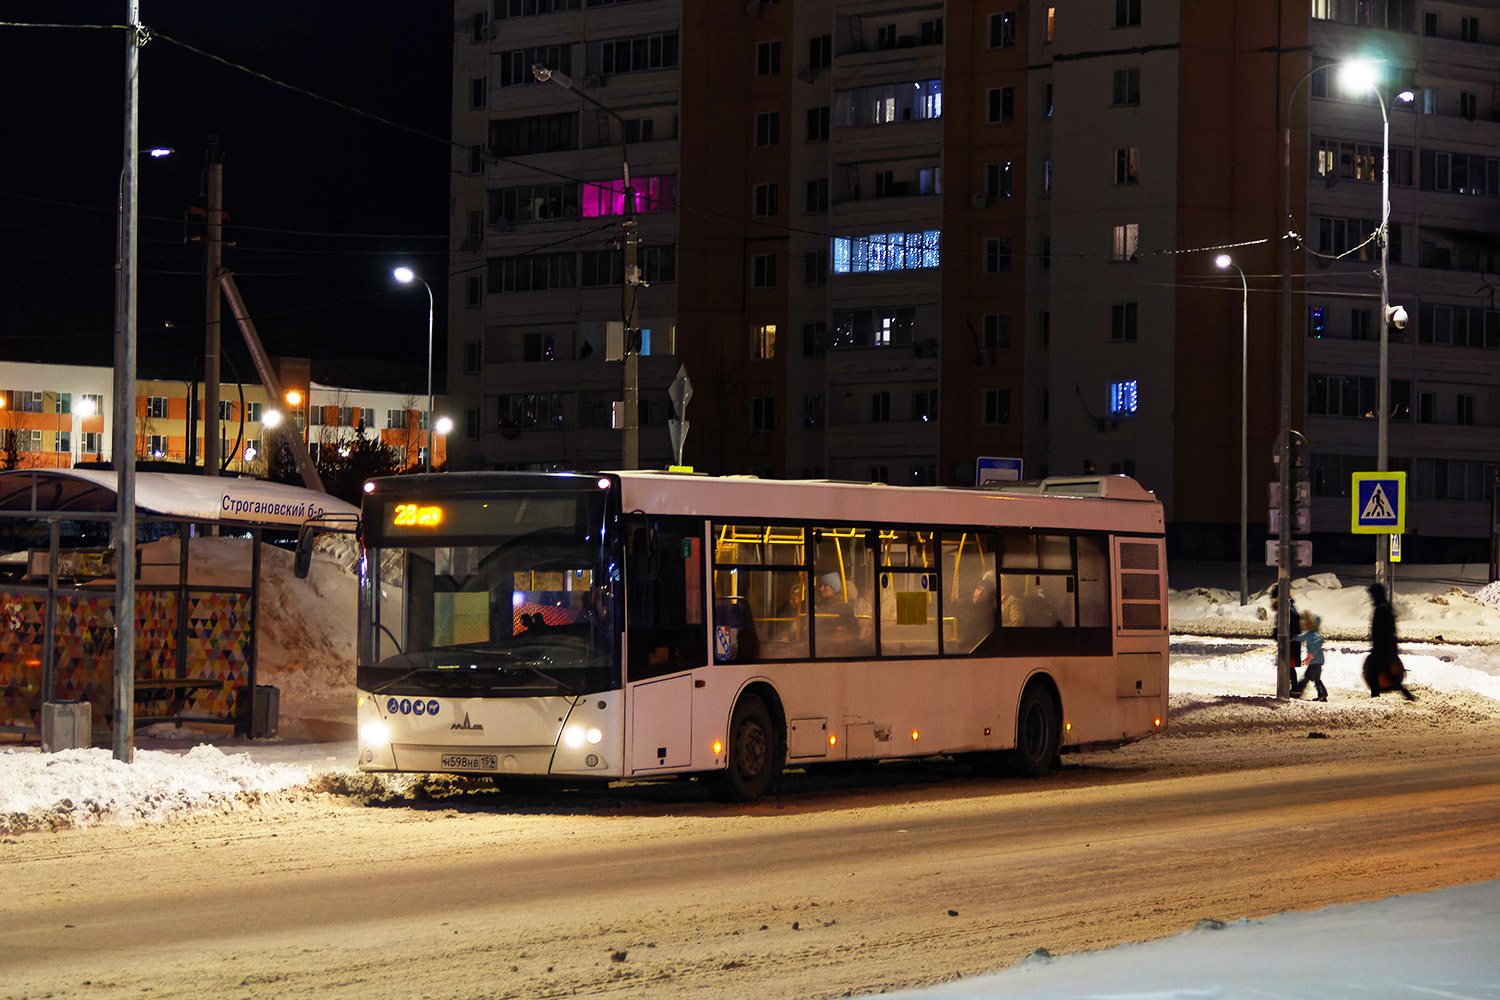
(406, 276)
(1224, 262)
(1361, 75)
(82, 411)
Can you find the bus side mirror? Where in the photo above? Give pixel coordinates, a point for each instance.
(307, 539)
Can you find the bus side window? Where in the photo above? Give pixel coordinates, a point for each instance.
(969, 591)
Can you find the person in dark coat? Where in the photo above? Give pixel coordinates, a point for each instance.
(1383, 669)
(1296, 656)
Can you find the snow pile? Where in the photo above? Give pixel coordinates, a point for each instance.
(1435, 944)
(1450, 614)
(85, 787)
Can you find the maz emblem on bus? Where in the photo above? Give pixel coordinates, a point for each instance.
(465, 724)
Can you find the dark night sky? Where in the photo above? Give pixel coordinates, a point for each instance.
(323, 202)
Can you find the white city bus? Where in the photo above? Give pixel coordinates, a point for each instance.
(624, 626)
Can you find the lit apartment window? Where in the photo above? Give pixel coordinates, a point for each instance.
(768, 59)
(1051, 22)
(1126, 241)
(887, 252)
(1123, 398)
(768, 128)
(1127, 164)
(765, 341)
(1127, 87)
(1003, 30)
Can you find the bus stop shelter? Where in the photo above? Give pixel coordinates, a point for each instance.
(197, 572)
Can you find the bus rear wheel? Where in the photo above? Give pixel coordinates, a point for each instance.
(755, 755)
(1038, 734)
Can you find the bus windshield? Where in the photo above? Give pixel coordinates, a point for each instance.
(531, 609)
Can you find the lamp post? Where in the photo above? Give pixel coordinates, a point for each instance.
(1224, 261)
(406, 276)
(1360, 75)
(1284, 441)
(83, 410)
(629, 247)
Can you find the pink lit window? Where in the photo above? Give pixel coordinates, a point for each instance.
(652, 194)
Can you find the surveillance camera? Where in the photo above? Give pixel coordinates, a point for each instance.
(1396, 316)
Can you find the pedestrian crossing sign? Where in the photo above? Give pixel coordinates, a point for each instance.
(1378, 503)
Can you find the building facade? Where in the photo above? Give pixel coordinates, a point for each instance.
(69, 419)
(907, 235)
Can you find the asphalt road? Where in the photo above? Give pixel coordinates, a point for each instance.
(843, 885)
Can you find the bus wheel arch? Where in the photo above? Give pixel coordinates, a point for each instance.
(755, 747)
(1038, 728)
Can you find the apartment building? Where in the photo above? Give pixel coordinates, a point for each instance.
(906, 235)
(537, 315)
(1444, 262)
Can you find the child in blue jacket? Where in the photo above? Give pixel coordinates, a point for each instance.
(1312, 642)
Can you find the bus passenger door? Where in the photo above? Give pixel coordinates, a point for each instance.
(661, 721)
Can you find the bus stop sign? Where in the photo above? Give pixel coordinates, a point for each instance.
(1378, 504)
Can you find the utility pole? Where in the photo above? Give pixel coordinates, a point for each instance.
(214, 238)
(630, 444)
(124, 390)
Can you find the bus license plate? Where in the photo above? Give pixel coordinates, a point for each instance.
(469, 762)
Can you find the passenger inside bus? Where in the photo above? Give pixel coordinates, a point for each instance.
(976, 616)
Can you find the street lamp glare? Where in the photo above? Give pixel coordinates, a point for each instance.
(1359, 75)
(160, 151)
(1223, 261)
(85, 407)
(405, 275)
(443, 425)
(293, 397)
(1406, 96)
(271, 418)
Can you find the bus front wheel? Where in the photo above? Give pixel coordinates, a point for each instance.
(1038, 733)
(755, 756)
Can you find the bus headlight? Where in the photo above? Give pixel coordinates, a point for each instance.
(576, 736)
(374, 733)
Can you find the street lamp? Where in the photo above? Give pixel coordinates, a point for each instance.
(441, 428)
(83, 410)
(1361, 75)
(406, 276)
(1224, 261)
(629, 246)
